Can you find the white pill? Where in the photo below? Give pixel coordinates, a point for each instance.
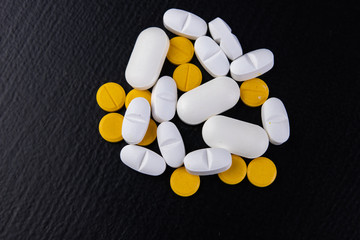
(171, 144)
(211, 98)
(147, 58)
(163, 99)
(218, 28)
(207, 161)
(136, 120)
(252, 64)
(142, 160)
(238, 137)
(184, 23)
(275, 120)
(211, 57)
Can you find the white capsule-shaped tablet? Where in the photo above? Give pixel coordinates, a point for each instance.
(163, 99)
(211, 98)
(147, 58)
(142, 160)
(252, 64)
(238, 137)
(136, 120)
(208, 161)
(171, 144)
(211, 57)
(184, 23)
(275, 121)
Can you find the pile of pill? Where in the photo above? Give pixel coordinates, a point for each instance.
(228, 139)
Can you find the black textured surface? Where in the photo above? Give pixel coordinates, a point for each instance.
(60, 180)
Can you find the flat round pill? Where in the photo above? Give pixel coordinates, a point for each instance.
(110, 97)
(183, 183)
(181, 50)
(236, 173)
(261, 172)
(137, 93)
(110, 127)
(150, 134)
(187, 76)
(254, 92)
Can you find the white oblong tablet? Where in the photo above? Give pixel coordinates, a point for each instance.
(147, 58)
(142, 160)
(252, 64)
(163, 99)
(136, 120)
(184, 23)
(211, 57)
(238, 137)
(211, 98)
(171, 144)
(218, 28)
(207, 161)
(275, 120)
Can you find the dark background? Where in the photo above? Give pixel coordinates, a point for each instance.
(60, 180)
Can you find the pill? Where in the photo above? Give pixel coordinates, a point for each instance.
(211, 57)
(184, 23)
(171, 144)
(254, 92)
(187, 76)
(163, 99)
(238, 137)
(142, 160)
(181, 50)
(236, 173)
(207, 161)
(136, 120)
(147, 58)
(110, 97)
(150, 134)
(110, 127)
(211, 98)
(137, 93)
(252, 64)
(183, 183)
(218, 28)
(275, 121)
(261, 172)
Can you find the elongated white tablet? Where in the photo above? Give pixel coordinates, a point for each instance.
(211, 98)
(207, 161)
(252, 64)
(218, 28)
(163, 99)
(136, 120)
(147, 58)
(142, 160)
(184, 23)
(171, 144)
(275, 120)
(238, 137)
(211, 57)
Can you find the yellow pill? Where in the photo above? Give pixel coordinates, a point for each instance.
(236, 173)
(110, 127)
(187, 76)
(137, 93)
(183, 183)
(150, 134)
(181, 50)
(110, 97)
(254, 92)
(261, 172)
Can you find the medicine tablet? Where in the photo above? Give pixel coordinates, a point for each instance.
(110, 97)
(275, 121)
(183, 183)
(110, 127)
(254, 92)
(236, 173)
(142, 160)
(187, 76)
(137, 93)
(147, 58)
(261, 172)
(150, 134)
(181, 50)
